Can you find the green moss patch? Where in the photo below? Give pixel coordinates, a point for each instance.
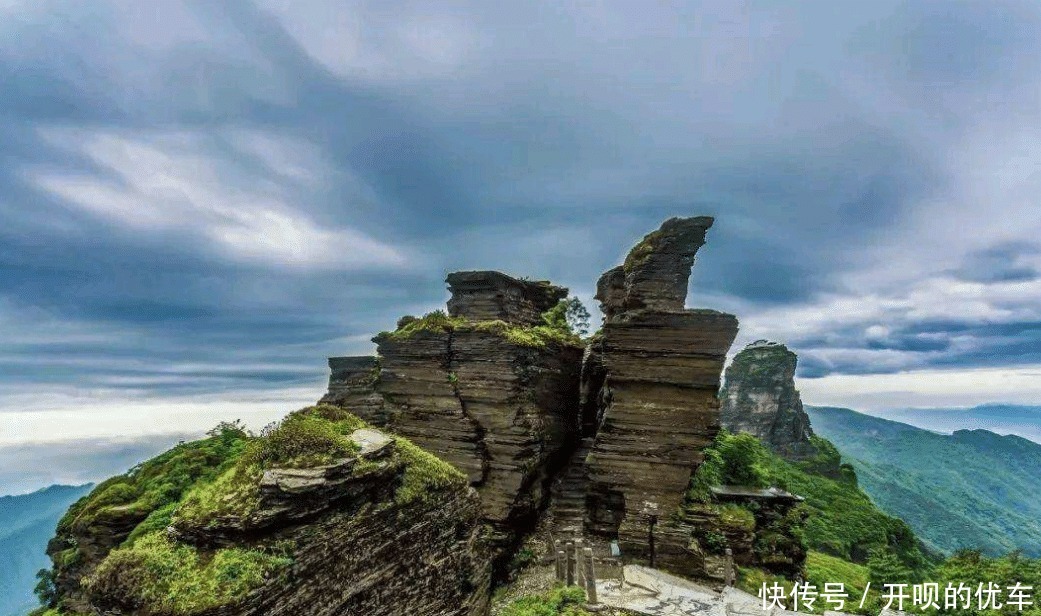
(554, 331)
(425, 474)
(642, 251)
(164, 577)
(308, 438)
(436, 322)
(159, 482)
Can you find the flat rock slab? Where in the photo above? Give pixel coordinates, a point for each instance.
(656, 593)
(372, 443)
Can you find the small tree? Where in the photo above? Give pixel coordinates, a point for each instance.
(45, 590)
(577, 316)
(568, 315)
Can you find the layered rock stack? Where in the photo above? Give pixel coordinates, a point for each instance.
(651, 379)
(480, 390)
(491, 296)
(352, 385)
(760, 398)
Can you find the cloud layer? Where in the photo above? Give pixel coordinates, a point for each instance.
(204, 200)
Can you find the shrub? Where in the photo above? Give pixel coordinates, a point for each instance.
(302, 440)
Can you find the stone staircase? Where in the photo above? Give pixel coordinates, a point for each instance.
(568, 505)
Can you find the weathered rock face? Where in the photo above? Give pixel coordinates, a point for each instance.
(655, 273)
(357, 536)
(490, 296)
(352, 385)
(503, 413)
(480, 392)
(425, 558)
(760, 398)
(652, 377)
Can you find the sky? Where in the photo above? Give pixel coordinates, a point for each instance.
(201, 201)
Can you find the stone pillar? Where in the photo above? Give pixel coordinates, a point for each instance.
(571, 563)
(658, 367)
(729, 576)
(590, 575)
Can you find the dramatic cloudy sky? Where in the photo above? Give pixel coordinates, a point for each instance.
(199, 201)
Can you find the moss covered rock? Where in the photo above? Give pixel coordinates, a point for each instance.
(267, 524)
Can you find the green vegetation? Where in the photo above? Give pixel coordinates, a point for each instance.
(555, 331)
(425, 474)
(558, 602)
(568, 315)
(972, 568)
(304, 439)
(177, 579)
(840, 520)
(851, 542)
(733, 459)
(198, 483)
(436, 322)
(821, 569)
(971, 489)
(159, 482)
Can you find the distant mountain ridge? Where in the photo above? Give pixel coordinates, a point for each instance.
(1021, 420)
(27, 522)
(967, 489)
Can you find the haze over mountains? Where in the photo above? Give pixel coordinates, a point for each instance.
(1015, 419)
(27, 521)
(968, 489)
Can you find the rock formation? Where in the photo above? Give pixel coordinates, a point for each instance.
(491, 296)
(488, 389)
(352, 385)
(414, 478)
(652, 379)
(380, 527)
(760, 398)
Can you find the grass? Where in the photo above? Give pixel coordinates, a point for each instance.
(159, 482)
(821, 569)
(642, 251)
(165, 577)
(557, 602)
(434, 322)
(314, 436)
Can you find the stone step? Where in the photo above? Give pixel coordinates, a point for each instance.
(569, 493)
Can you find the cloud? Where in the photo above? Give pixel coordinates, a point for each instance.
(959, 387)
(203, 202)
(25, 467)
(62, 415)
(167, 183)
(371, 42)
